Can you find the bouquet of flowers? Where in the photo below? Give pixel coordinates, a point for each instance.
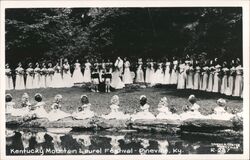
(233, 73)
(44, 72)
(51, 72)
(20, 72)
(8, 73)
(66, 69)
(31, 72)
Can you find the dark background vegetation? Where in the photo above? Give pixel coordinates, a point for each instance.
(50, 33)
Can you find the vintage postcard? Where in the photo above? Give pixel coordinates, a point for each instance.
(124, 80)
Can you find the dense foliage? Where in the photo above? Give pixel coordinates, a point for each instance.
(35, 34)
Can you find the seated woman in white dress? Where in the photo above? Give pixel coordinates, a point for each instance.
(164, 112)
(144, 113)
(84, 111)
(192, 111)
(38, 110)
(9, 105)
(220, 112)
(56, 113)
(115, 113)
(24, 108)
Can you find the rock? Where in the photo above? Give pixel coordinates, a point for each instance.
(205, 125)
(169, 126)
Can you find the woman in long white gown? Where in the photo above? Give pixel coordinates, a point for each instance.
(193, 110)
(30, 77)
(144, 113)
(217, 79)
(174, 74)
(238, 83)
(87, 72)
(190, 76)
(219, 112)
(43, 74)
(67, 79)
(205, 71)
(56, 113)
(181, 82)
(115, 113)
(8, 78)
(197, 76)
(84, 111)
(23, 109)
(9, 105)
(50, 75)
(167, 75)
(19, 77)
(148, 70)
(139, 72)
(231, 79)
(158, 77)
(211, 77)
(37, 76)
(224, 82)
(116, 81)
(57, 79)
(164, 112)
(77, 74)
(127, 79)
(39, 108)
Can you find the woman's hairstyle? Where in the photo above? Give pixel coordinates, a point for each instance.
(221, 102)
(192, 99)
(8, 98)
(115, 100)
(25, 95)
(58, 97)
(143, 100)
(84, 99)
(38, 97)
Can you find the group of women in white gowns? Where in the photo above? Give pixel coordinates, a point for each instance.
(185, 73)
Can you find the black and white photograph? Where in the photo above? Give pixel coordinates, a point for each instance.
(93, 81)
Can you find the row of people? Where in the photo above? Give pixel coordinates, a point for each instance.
(29, 111)
(186, 74)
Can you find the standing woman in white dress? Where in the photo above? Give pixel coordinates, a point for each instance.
(68, 82)
(217, 79)
(159, 75)
(174, 74)
(211, 76)
(50, 75)
(8, 78)
(224, 82)
(116, 81)
(197, 76)
(190, 76)
(148, 70)
(30, 77)
(57, 79)
(127, 79)
(167, 73)
(43, 74)
(181, 83)
(87, 72)
(37, 76)
(77, 74)
(231, 79)
(238, 83)
(19, 77)
(139, 72)
(205, 74)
